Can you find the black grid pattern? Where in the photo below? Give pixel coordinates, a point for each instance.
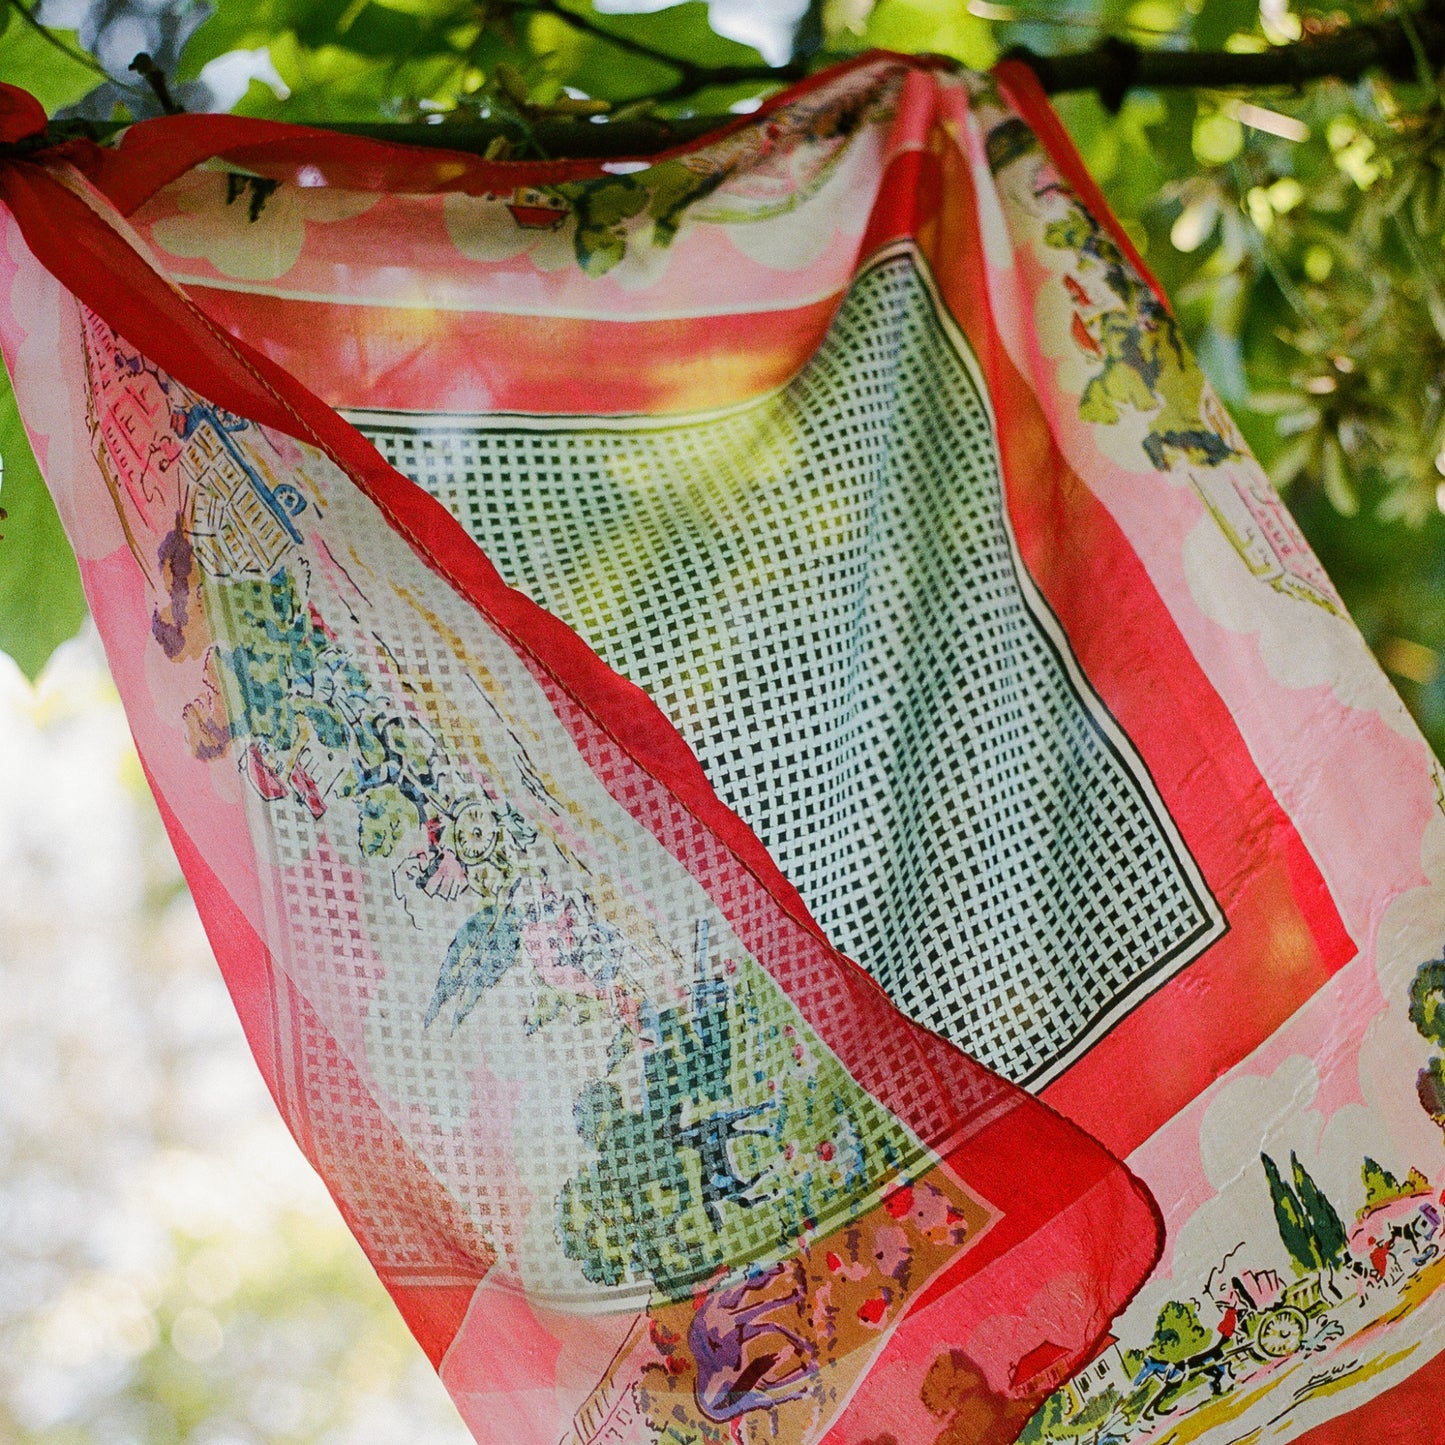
(820, 589)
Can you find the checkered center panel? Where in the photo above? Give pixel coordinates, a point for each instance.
(820, 590)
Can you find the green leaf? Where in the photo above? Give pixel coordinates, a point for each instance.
(55, 78)
(1221, 19)
(589, 63)
(231, 26)
(943, 27)
(682, 30)
(41, 604)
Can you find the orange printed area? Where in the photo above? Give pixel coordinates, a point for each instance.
(402, 359)
(776, 1354)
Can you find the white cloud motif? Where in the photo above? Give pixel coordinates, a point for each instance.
(499, 227)
(215, 223)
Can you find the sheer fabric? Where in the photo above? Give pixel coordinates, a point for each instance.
(568, 611)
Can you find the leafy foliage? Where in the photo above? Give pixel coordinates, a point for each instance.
(1178, 1333)
(1430, 1088)
(1380, 1185)
(49, 64)
(1427, 1013)
(1327, 1230)
(1300, 235)
(1310, 1227)
(1427, 1000)
(1293, 1223)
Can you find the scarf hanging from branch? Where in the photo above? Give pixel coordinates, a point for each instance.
(567, 610)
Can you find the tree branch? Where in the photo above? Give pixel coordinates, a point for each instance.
(1112, 69)
(145, 67)
(1116, 67)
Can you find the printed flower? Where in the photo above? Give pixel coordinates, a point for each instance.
(249, 228)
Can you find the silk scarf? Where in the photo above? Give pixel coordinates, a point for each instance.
(744, 729)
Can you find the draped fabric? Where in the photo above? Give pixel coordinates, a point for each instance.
(745, 728)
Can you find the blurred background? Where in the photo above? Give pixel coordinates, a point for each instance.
(170, 1269)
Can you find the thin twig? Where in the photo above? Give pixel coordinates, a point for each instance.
(145, 67)
(1424, 71)
(1115, 67)
(691, 77)
(55, 42)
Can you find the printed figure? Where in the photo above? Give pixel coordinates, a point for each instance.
(711, 1137)
(747, 1344)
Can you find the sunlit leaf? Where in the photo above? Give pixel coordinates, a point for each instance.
(942, 27)
(41, 604)
(49, 71)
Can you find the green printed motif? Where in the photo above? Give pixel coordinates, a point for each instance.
(723, 1130)
(1123, 326)
(1144, 366)
(1207, 1353)
(296, 694)
(747, 1136)
(314, 727)
(603, 207)
(1427, 1013)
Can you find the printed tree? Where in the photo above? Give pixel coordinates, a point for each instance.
(1380, 1185)
(650, 1206)
(1049, 1425)
(1326, 1228)
(1427, 1000)
(1427, 1013)
(1143, 365)
(1292, 1220)
(1430, 1089)
(288, 682)
(1179, 1333)
(634, 1212)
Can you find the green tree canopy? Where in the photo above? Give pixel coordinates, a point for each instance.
(1427, 1000)
(1292, 1221)
(1380, 1185)
(1178, 1333)
(1327, 1230)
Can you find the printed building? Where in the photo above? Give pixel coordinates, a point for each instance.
(239, 526)
(167, 456)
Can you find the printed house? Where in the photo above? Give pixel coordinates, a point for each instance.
(1107, 1371)
(239, 526)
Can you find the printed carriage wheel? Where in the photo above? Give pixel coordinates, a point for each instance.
(477, 833)
(1281, 1332)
